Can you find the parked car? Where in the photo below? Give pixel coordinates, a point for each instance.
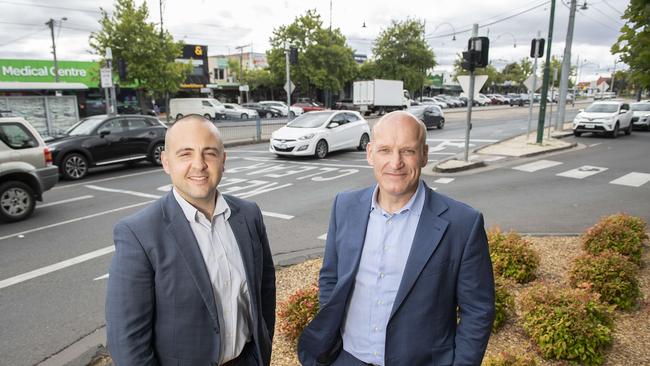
(641, 115)
(282, 107)
(608, 117)
(232, 110)
(519, 99)
(320, 132)
(482, 99)
(26, 169)
(345, 104)
(431, 115)
(102, 140)
(262, 110)
(309, 106)
(207, 107)
(433, 101)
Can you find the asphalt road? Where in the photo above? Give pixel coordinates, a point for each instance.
(53, 266)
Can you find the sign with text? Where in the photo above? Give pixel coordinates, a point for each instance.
(42, 71)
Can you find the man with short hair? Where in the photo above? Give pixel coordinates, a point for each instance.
(192, 281)
(406, 277)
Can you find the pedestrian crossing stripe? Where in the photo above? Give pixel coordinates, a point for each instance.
(634, 179)
(537, 165)
(582, 172)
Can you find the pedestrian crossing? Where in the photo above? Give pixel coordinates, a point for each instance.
(632, 179)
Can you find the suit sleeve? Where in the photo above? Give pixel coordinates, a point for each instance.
(130, 301)
(329, 271)
(268, 279)
(475, 291)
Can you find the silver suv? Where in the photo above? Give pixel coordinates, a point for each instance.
(26, 169)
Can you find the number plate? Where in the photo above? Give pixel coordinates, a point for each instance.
(363, 108)
(282, 146)
(589, 125)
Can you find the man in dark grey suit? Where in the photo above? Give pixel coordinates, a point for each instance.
(192, 281)
(406, 278)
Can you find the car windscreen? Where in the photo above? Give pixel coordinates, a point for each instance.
(640, 107)
(602, 108)
(310, 120)
(85, 126)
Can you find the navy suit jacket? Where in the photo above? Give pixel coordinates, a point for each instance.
(448, 278)
(160, 304)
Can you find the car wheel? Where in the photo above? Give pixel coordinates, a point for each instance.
(74, 166)
(441, 124)
(179, 116)
(628, 131)
(244, 116)
(156, 153)
(321, 149)
(268, 115)
(614, 133)
(17, 201)
(577, 134)
(292, 114)
(363, 142)
(208, 117)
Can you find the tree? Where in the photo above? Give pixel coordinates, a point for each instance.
(633, 45)
(401, 53)
(149, 54)
(324, 60)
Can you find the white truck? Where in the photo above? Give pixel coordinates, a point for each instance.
(380, 96)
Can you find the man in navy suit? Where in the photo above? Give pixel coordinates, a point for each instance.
(406, 277)
(192, 281)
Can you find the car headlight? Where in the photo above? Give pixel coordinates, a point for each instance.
(307, 137)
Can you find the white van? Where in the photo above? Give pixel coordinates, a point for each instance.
(207, 107)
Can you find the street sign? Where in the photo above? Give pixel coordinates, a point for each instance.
(289, 89)
(603, 86)
(528, 83)
(106, 77)
(479, 81)
(243, 88)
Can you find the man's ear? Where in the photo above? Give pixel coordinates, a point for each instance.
(425, 156)
(369, 153)
(165, 162)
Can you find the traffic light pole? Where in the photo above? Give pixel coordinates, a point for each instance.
(531, 93)
(286, 58)
(470, 101)
(545, 80)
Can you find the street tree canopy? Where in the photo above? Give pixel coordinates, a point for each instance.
(149, 54)
(401, 53)
(633, 44)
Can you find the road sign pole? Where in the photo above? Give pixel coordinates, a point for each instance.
(547, 72)
(470, 101)
(286, 58)
(531, 94)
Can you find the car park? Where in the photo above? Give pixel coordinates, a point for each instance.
(232, 110)
(641, 115)
(262, 110)
(321, 132)
(26, 169)
(105, 140)
(430, 114)
(283, 108)
(605, 117)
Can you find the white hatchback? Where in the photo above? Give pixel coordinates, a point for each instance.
(317, 133)
(604, 117)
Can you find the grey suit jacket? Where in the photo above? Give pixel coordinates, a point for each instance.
(160, 306)
(448, 275)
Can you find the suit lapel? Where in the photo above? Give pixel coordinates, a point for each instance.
(428, 234)
(178, 227)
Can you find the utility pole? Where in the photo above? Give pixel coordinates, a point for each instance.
(50, 23)
(160, 3)
(241, 61)
(546, 77)
(612, 81)
(286, 59)
(566, 69)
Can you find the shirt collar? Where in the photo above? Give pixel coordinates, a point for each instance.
(191, 213)
(415, 204)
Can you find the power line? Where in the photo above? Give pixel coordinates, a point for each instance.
(597, 21)
(606, 15)
(21, 38)
(611, 7)
(51, 7)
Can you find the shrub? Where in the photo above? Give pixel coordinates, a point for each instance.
(297, 311)
(570, 324)
(609, 274)
(512, 256)
(504, 304)
(508, 359)
(618, 233)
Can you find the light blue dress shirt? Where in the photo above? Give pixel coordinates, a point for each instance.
(386, 248)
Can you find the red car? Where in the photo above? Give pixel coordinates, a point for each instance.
(309, 106)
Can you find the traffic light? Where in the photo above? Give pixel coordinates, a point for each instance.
(477, 53)
(537, 47)
(293, 55)
(469, 60)
(121, 69)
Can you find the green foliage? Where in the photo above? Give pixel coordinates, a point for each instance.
(633, 44)
(148, 54)
(610, 275)
(556, 64)
(297, 311)
(569, 324)
(494, 76)
(621, 233)
(504, 304)
(401, 53)
(512, 256)
(509, 359)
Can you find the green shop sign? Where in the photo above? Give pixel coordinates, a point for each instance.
(435, 80)
(42, 71)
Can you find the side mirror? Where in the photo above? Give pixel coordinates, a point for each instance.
(333, 125)
(580, 110)
(103, 133)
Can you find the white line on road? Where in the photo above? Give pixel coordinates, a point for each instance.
(462, 140)
(537, 165)
(74, 220)
(596, 144)
(101, 277)
(633, 179)
(444, 180)
(582, 172)
(277, 215)
(64, 201)
(55, 267)
(107, 179)
(133, 193)
(318, 164)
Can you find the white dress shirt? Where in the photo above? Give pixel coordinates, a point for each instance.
(227, 275)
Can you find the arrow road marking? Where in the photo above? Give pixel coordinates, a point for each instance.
(582, 172)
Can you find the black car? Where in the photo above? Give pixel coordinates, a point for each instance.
(262, 110)
(431, 115)
(345, 104)
(102, 140)
(518, 99)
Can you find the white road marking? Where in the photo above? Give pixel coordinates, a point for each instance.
(319, 164)
(443, 180)
(596, 144)
(64, 201)
(74, 220)
(132, 193)
(582, 172)
(323, 237)
(55, 267)
(107, 179)
(633, 179)
(462, 140)
(537, 165)
(495, 158)
(277, 215)
(101, 277)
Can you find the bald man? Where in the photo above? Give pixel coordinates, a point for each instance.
(192, 281)
(406, 277)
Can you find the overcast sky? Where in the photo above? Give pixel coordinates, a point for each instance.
(224, 25)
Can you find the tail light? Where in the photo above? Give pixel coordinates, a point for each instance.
(47, 154)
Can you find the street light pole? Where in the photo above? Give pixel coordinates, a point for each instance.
(566, 68)
(50, 23)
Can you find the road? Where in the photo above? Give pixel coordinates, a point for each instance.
(53, 266)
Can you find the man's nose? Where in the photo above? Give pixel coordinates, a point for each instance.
(198, 162)
(396, 160)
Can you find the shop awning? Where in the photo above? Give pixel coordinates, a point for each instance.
(17, 85)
